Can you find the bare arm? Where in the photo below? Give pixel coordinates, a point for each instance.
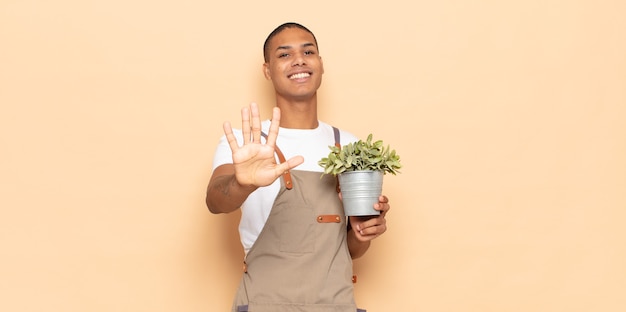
(224, 194)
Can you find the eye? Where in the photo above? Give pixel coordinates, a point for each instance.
(283, 55)
(309, 52)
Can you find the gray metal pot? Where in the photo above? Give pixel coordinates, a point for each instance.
(360, 191)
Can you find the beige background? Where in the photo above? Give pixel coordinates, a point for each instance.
(510, 117)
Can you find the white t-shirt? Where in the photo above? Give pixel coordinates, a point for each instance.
(312, 144)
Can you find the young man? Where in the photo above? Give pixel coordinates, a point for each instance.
(299, 246)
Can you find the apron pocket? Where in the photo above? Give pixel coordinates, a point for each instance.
(297, 229)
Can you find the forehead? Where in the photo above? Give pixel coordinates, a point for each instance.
(291, 37)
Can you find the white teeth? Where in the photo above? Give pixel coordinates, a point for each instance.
(299, 75)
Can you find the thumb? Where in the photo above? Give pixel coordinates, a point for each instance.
(294, 162)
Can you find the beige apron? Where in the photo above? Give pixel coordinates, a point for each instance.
(300, 261)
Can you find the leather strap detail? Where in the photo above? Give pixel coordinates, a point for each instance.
(328, 219)
(337, 144)
(337, 137)
(281, 159)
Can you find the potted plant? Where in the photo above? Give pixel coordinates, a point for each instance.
(360, 167)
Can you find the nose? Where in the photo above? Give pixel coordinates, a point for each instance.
(298, 60)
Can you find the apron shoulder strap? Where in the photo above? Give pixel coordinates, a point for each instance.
(337, 137)
(337, 144)
(281, 159)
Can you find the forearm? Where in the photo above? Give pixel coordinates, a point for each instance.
(356, 247)
(224, 193)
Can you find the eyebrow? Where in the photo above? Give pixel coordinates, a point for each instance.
(287, 47)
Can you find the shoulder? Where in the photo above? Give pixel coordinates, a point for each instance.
(345, 136)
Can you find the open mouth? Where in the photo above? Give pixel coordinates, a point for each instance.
(300, 75)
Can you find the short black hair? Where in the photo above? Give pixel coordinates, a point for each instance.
(277, 31)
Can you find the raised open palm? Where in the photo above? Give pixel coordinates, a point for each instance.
(254, 162)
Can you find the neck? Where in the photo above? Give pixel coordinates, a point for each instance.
(296, 114)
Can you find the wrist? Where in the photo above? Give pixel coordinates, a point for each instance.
(243, 188)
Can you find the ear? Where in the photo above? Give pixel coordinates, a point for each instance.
(322, 63)
(266, 71)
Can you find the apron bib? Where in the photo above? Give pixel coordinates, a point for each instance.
(300, 261)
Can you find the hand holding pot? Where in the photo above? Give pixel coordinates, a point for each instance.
(367, 228)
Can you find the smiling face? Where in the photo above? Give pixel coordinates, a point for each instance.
(294, 65)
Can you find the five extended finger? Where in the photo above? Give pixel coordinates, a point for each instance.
(230, 137)
(245, 124)
(256, 123)
(274, 125)
(288, 165)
